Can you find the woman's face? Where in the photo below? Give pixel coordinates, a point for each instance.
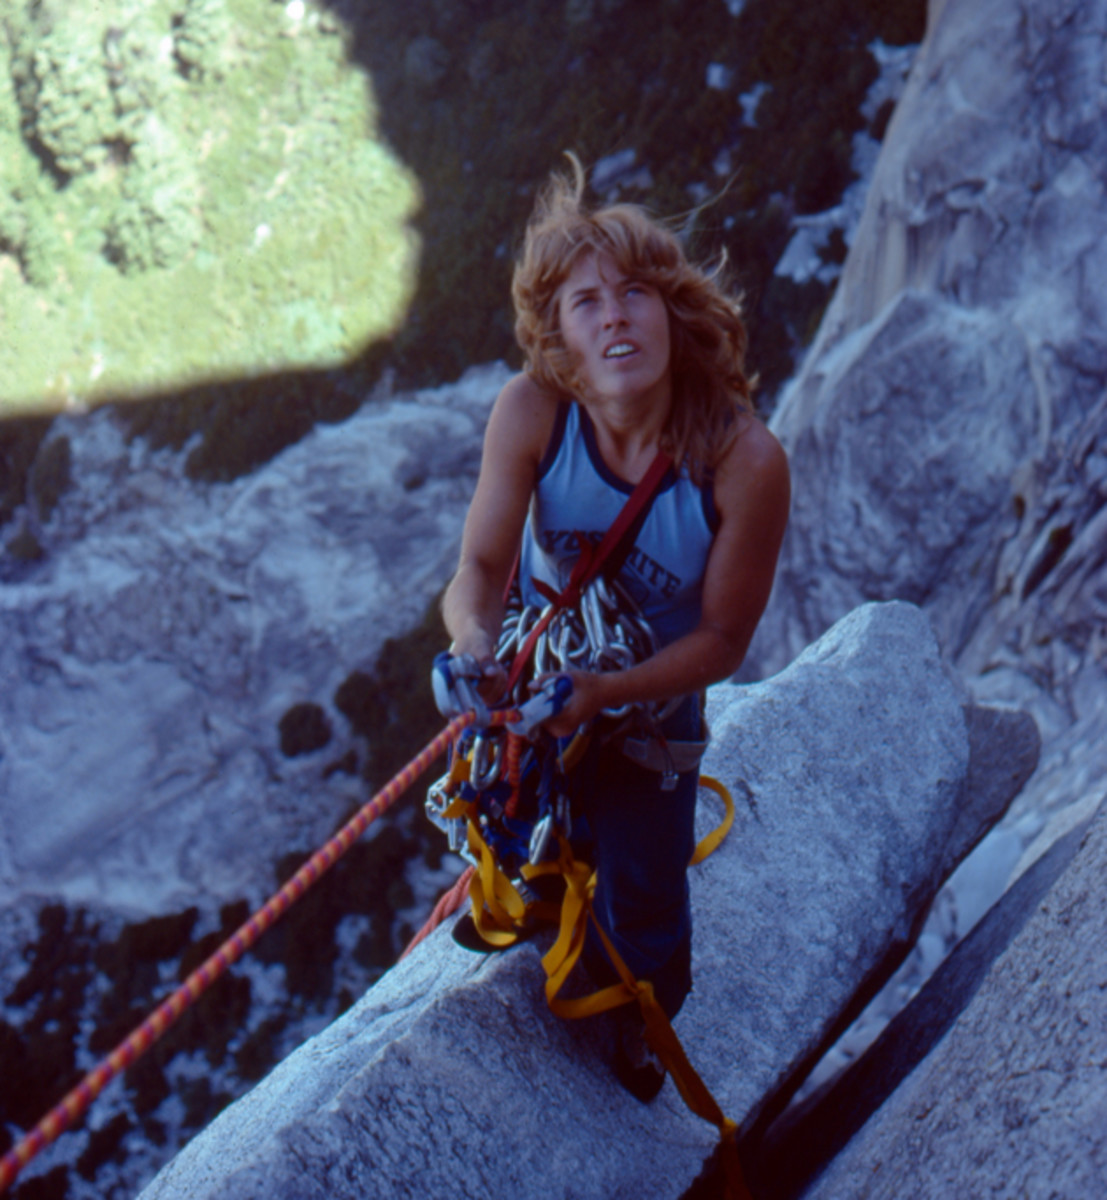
(616, 330)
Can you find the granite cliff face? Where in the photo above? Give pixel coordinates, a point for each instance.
(197, 685)
(944, 425)
(948, 436)
(152, 658)
(946, 430)
(946, 439)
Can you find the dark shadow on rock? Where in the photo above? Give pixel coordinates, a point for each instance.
(789, 1157)
(1004, 747)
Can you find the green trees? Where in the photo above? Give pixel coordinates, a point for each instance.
(157, 221)
(89, 88)
(191, 191)
(200, 33)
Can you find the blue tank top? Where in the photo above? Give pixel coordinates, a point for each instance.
(577, 491)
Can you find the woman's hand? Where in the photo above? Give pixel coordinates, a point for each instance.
(588, 698)
(493, 682)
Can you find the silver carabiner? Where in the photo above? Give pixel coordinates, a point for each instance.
(528, 618)
(563, 815)
(509, 636)
(578, 655)
(484, 767)
(540, 838)
(542, 653)
(566, 636)
(591, 611)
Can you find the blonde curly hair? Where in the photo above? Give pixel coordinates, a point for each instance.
(708, 335)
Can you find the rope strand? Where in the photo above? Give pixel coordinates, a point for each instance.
(78, 1100)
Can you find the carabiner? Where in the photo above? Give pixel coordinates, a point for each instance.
(484, 768)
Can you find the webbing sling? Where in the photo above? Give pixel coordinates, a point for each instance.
(559, 961)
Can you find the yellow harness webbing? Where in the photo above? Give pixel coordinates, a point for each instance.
(499, 913)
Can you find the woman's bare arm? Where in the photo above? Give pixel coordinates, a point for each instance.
(518, 431)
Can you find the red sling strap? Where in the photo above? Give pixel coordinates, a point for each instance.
(593, 558)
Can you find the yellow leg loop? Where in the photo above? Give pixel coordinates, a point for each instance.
(498, 909)
(499, 913)
(715, 838)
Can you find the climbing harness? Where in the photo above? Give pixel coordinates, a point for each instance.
(504, 803)
(505, 808)
(505, 796)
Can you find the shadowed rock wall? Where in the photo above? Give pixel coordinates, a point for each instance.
(1013, 1101)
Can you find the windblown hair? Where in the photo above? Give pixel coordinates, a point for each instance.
(707, 334)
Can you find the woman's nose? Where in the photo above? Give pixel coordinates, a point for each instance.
(613, 311)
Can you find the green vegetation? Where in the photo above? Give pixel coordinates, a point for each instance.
(200, 33)
(224, 228)
(192, 190)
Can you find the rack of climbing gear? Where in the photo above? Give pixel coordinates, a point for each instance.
(518, 787)
(606, 632)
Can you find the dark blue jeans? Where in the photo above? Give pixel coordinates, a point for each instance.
(640, 840)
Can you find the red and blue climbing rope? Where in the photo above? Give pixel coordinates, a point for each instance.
(77, 1101)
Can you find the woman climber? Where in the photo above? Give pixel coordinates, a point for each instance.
(630, 351)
